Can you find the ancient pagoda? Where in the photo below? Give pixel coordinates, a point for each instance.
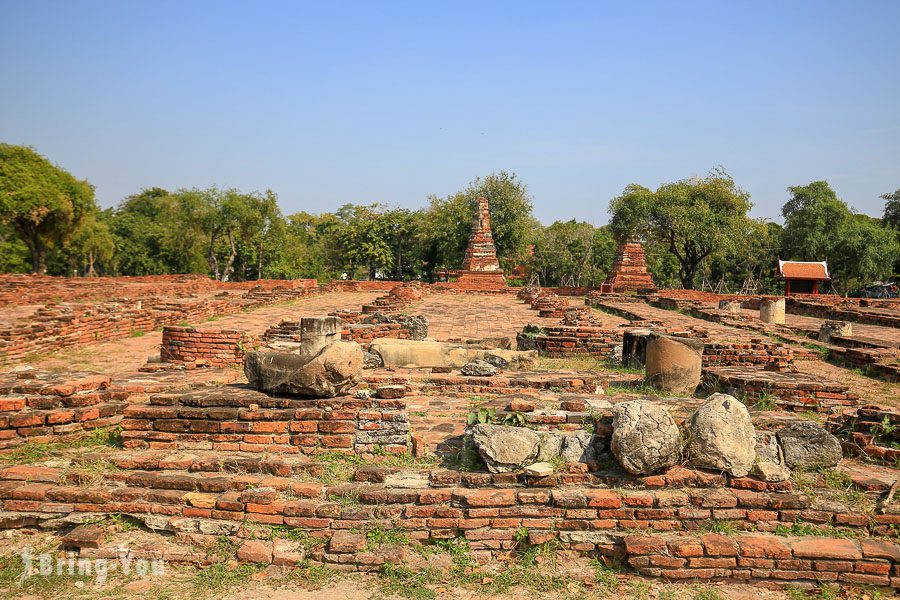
(629, 270)
(481, 269)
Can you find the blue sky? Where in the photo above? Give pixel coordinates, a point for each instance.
(335, 102)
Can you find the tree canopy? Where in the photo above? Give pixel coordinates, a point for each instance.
(819, 226)
(691, 218)
(43, 203)
(695, 230)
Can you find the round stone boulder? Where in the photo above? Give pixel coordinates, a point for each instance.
(645, 437)
(673, 364)
(807, 446)
(721, 436)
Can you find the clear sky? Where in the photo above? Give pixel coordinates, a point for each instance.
(334, 102)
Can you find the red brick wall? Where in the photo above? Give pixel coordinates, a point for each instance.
(52, 407)
(194, 347)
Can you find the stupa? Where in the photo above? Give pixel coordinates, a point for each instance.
(629, 270)
(481, 269)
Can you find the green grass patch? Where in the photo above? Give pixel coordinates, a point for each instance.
(378, 536)
(32, 452)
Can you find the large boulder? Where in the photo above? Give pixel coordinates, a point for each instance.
(770, 465)
(808, 446)
(721, 436)
(334, 370)
(673, 364)
(645, 437)
(505, 448)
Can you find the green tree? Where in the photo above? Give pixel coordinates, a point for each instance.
(813, 218)
(692, 218)
(14, 256)
(892, 209)
(154, 235)
(93, 242)
(819, 226)
(364, 236)
(449, 222)
(864, 251)
(43, 202)
(572, 253)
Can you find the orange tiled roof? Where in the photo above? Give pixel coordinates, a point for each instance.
(788, 269)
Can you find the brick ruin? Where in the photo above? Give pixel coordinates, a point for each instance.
(629, 270)
(480, 269)
(203, 455)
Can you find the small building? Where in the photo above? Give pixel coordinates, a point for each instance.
(802, 277)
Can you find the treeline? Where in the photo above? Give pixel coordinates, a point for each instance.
(697, 232)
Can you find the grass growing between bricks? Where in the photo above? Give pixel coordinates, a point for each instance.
(32, 452)
(531, 568)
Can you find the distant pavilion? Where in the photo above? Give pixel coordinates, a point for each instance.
(802, 277)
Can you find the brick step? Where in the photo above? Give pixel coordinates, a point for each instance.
(180, 492)
(215, 462)
(507, 382)
(812, 560)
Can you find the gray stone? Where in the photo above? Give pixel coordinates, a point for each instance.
(808, 446)
(372, 361)
(830, 329)
(673, 364)
(331, 372)
(478, 368)
(495, 360)
(317, 333)
(527, 338)
(731, 306)
(769, 465)
(417, 326)
(580, 447)
(407, 480)
(645, 437)
(721, 436)
(505, 448)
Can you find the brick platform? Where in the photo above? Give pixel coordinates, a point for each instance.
(233, 418)
(67, 325)
(192, 348)
(795, 391)
(43, 407)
